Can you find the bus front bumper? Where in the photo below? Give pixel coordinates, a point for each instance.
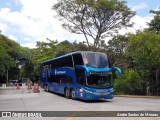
(88, 95)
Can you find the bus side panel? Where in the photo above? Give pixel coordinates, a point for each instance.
(61, 74)
(52, 86)
(44, 78)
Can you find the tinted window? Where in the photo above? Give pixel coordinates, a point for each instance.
(78, 60)
(65, 80)
(80, 74)
(62, 62)
(81, 79)
(96, 60)
(52, 78)
(60, 79)
(97, 81)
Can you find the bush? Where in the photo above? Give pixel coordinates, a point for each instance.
(129, 83)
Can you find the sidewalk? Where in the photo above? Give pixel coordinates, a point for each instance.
(12, 90)
(138, 96)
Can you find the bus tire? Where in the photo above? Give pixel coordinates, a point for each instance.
(66, 93)
(43, 86)
(73, 94)
(46, 88)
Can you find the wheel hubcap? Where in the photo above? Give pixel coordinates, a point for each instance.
(73, 94)
(67, 93)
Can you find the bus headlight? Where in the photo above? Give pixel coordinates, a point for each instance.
(84, 90)
(95, 73)
(80, 90)
(111, 90)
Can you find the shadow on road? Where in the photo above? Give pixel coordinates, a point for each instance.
(80, 100)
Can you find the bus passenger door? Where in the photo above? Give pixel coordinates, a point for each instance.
(61, 84)
(54, 87)
(52, 83)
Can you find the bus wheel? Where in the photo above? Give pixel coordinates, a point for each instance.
(66, 93)
(46, 88)
(73, 94)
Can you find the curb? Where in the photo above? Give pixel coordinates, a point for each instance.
(137, 96)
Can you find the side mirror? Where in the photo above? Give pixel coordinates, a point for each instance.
(118, 69)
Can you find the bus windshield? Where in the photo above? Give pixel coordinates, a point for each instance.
(95, 60)
(97, 81)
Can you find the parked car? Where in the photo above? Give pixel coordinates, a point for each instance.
(13, 82)
(19, 81)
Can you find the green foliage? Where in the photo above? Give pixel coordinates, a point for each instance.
(6, 54)
(45, 51)
(140, 52)
(129, 83)
(118, 44)
(144, 49)
(6, 61)
(116, 51)
(144, 56)
(11, 56)
(155, 22)
(10, 46)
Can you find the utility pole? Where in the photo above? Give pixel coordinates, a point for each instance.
(7, 76)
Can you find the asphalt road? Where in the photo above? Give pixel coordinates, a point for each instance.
(25, 100)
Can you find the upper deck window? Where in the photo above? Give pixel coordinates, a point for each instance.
(78, 60)
(96, 60)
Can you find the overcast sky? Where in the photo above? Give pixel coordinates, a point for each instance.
(28, 21)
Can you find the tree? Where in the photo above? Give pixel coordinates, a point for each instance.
(25, 62)
(144, 52)
(94, 18)
(129, 83)
(6, 61)
(43, 52)
(116, 50)
(12, 56)
(155, 23)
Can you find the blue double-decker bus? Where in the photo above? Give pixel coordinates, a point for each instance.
(84, 75)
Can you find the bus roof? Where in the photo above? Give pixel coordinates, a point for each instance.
(67, 55)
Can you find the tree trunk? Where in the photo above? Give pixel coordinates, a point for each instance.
(157, 76)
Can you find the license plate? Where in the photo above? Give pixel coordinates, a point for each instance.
(101, 99)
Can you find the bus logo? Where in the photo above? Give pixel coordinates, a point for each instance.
(59, 72)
